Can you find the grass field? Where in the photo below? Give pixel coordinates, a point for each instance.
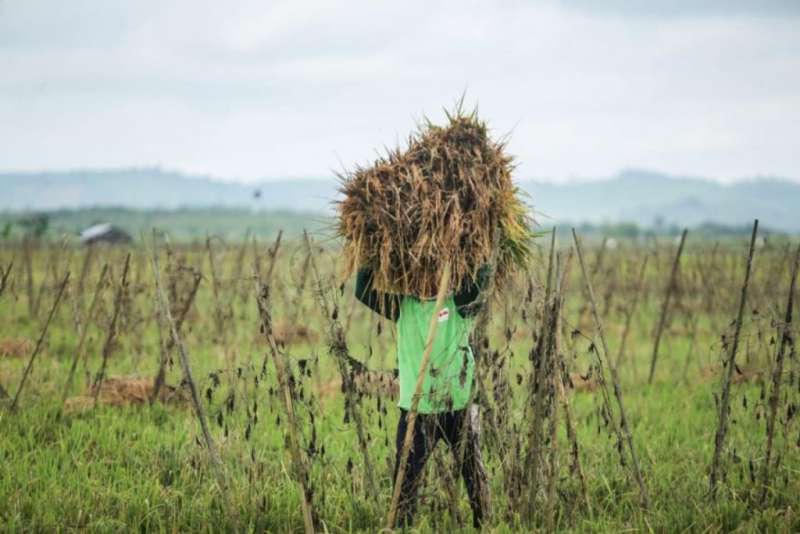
(121, 464)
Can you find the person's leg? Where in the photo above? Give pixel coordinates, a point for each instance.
(463, 436)
(423, 441)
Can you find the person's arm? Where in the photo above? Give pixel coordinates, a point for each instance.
(386, 304)
(466, 300)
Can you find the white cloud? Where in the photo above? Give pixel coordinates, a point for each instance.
(251, 89)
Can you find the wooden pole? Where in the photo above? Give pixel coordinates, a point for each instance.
(282, 370)
(187, 373)
(4, 273)
(630, 311)
(39, 342)
(665, 307)
(84, 331)
(777, 375)
(626, 432)
(724, 403)
(444, 284)
(108, 346)
(338, 349)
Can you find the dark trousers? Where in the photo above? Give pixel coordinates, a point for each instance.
(428, 429)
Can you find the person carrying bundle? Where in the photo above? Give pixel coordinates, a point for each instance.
(443, 409)
(445, 203)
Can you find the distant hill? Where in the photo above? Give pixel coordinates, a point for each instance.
(650, 199)
(642, 197)
(157, 189)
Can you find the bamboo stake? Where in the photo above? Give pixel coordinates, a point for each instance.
(163, 300)
(84, 331)
(87, 262)
(444, 283)
(539, 381)
(169, 345)
(108, 347)
(626, 433)
(572, 437)
(282, 370)
(665, 307)
(630, 311)
(39, 342)
(555, 381)
(479, 332)
(4, 273)
(28, 257)
(51, 260)
(273, 258)
(777, 375)
(222, 310)
(689, 351)
(338, 348)
(561, 386)
(724, 408)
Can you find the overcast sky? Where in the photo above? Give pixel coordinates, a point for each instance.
(256, 89)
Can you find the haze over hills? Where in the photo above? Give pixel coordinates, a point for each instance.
(642, 197)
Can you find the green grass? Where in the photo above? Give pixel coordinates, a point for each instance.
(141, 467)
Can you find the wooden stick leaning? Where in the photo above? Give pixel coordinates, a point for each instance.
(4, 273)
(108, 346)
(337, 347)
(444, 284)
(166, 347)
(539, 380)
(3, 284)
(556, 364)
(623, 420)
(39, 342)
(777, 376)
(84, 331)
(665, 307)
(629, 312)
(724, 403)
(187, 373)
(282, 370)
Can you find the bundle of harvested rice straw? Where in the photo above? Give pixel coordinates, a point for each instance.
(448, 196)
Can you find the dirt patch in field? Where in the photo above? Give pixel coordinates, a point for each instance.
(581, 383)
(126, 391)
(15, 347)
(372, 383)
(287, 333)
(741, 375)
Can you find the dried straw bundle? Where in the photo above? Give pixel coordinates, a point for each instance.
(448, 196)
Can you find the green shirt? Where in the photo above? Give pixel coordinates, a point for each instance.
(448, 378)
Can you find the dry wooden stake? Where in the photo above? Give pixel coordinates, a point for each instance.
(87, 263)
(28, 257)
(539, 380)
(84, 331)
(39, 342)
(273, 259)
(108, 346)
(163, 300)
(777, 376)
(555, 381)
(286, 385)
(4, 273)
(338, 348)
(52, 262)
(665, 307)
(169, 344)
(629, 312)
(730, 364)
(444, 283)
(623, 420)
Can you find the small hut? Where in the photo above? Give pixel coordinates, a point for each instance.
(104, 233)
